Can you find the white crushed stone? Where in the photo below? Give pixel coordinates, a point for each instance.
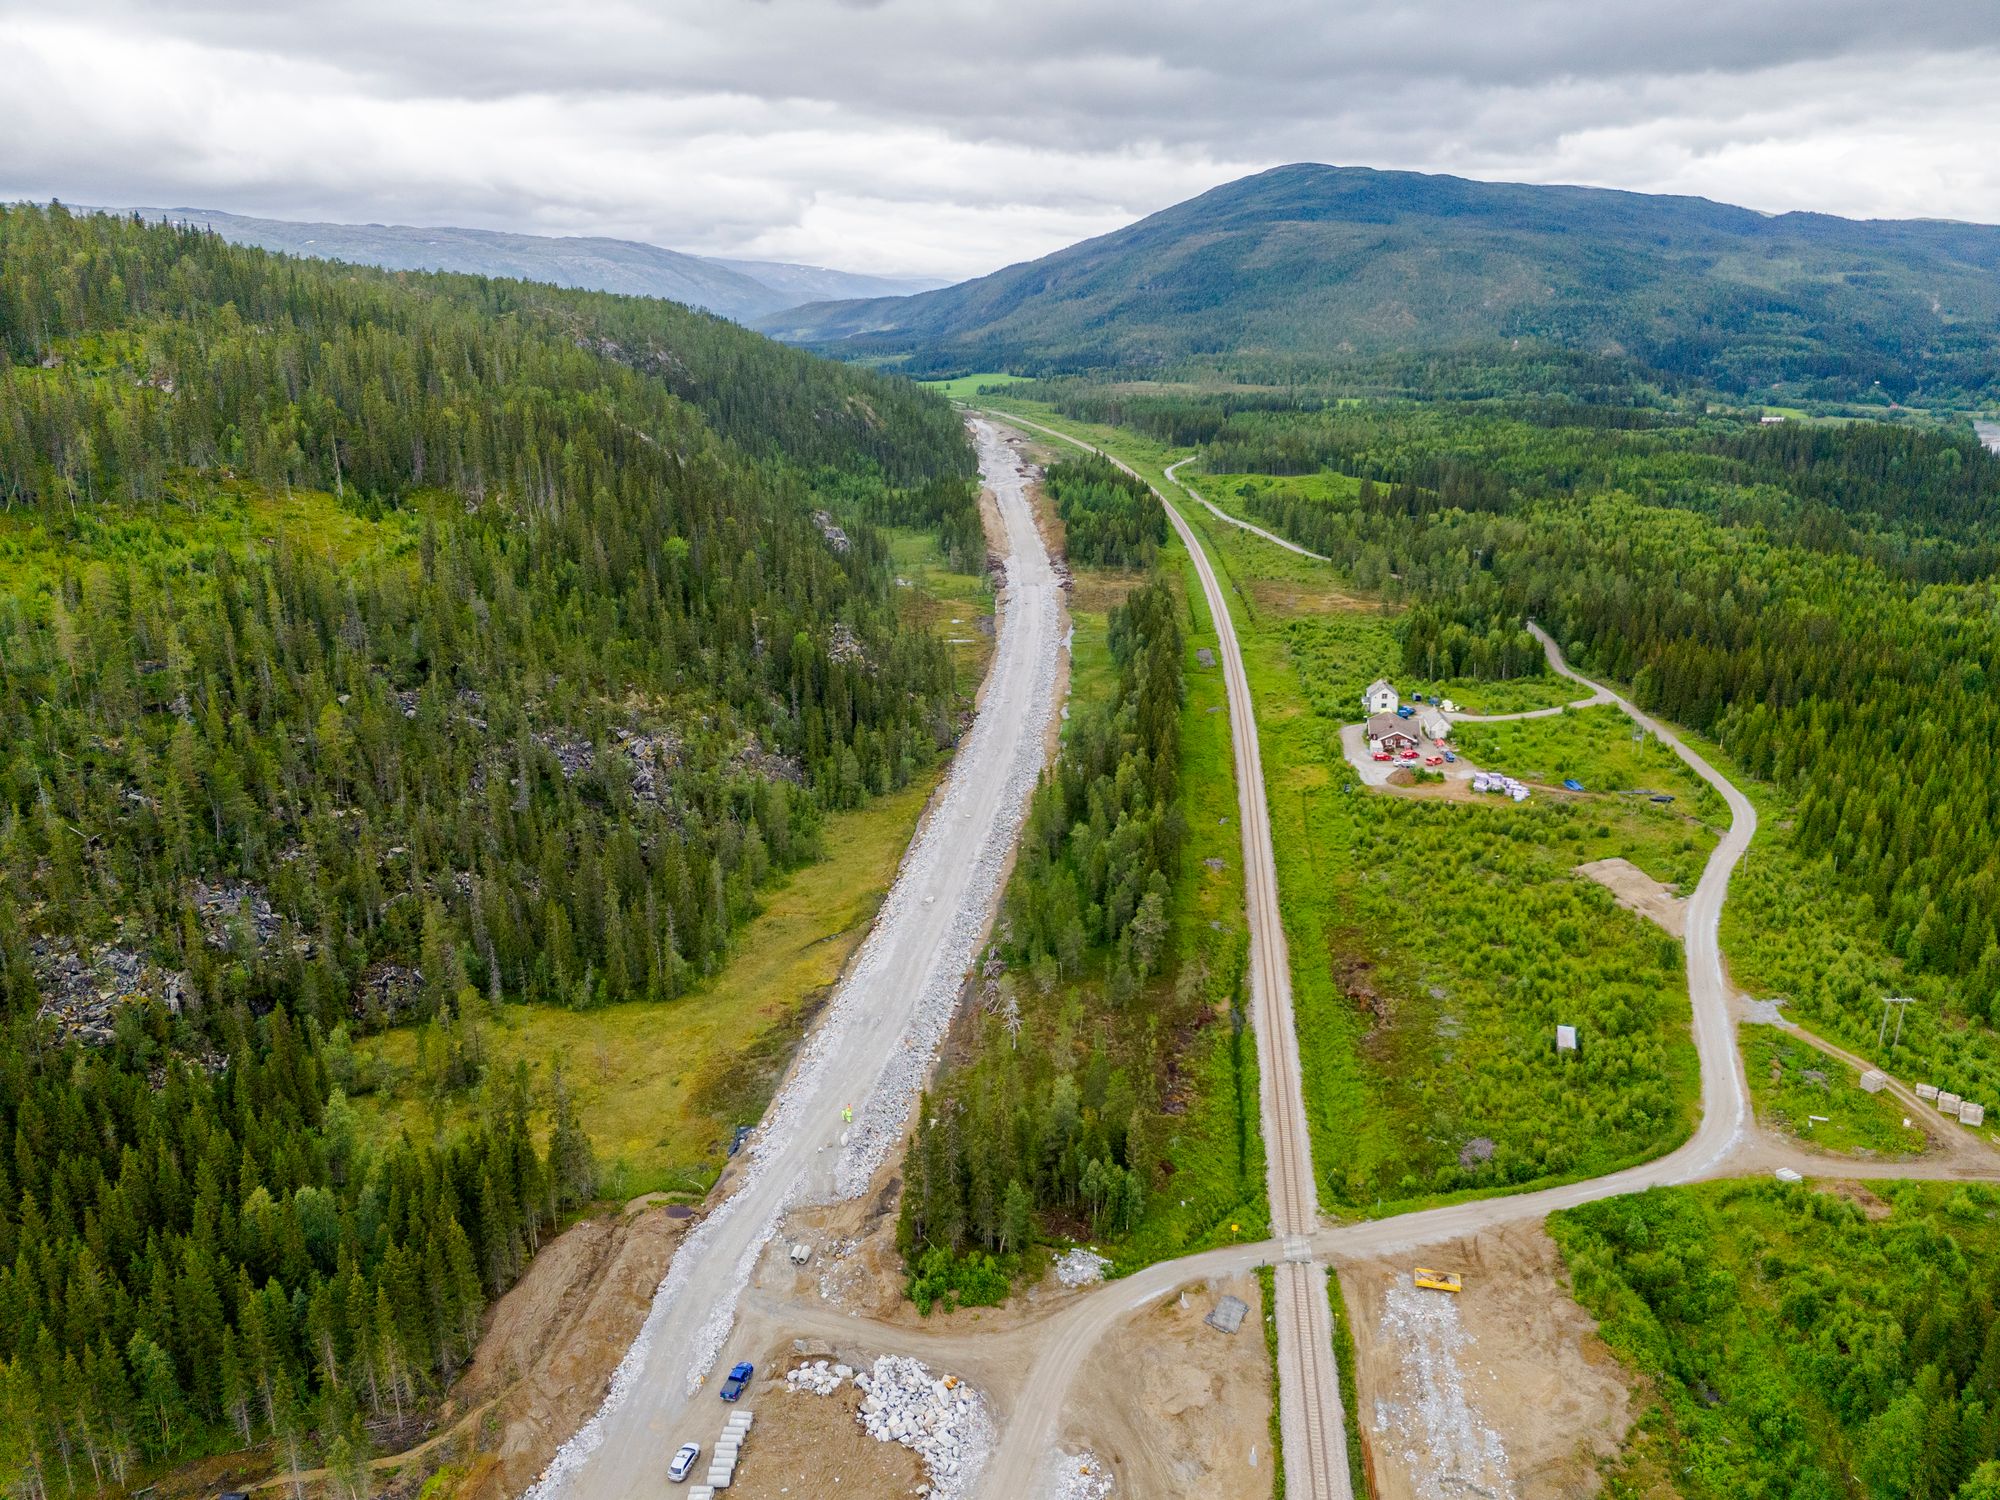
(1431, 1420)
(1074, 1476)
(820, 1378)
(878, 1124)
(942, 1420)
(1081, 1267)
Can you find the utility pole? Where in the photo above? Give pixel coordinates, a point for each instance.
(1899, 1001)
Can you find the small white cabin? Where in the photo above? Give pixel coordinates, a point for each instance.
(1380, 698)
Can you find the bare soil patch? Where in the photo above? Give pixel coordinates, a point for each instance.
(1451, 789)
(807, 1447)
(1509, 1372)
(1636, 891)
(552, 1342)
(1178, 1407)
(1294, 597)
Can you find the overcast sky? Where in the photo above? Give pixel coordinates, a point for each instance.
(950, 137)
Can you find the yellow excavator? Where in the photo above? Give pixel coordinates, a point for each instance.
(1437, 1281)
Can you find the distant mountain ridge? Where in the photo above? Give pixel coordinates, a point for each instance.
(1313, 262)
(739, 289)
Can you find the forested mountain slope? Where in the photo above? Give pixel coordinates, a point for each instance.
(734, 288)
(1312, 265)
(379, 645)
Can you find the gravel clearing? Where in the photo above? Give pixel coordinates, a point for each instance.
(890, 1013)
(1446, 1443)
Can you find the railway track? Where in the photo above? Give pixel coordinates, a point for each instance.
(1311, 1421)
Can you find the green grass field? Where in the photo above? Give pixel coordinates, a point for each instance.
(972, 388)
(1798, 1089)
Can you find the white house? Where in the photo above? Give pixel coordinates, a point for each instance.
(1380, 697)
(1435, 726)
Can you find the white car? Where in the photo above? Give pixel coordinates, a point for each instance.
(684, 1460)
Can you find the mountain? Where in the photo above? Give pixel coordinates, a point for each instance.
(739, 289)
(1317, 263)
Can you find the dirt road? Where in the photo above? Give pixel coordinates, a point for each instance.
(1172, 472)
(1310, 1420)
(869, 1052)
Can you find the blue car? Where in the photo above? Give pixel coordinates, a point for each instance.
(739, 1377)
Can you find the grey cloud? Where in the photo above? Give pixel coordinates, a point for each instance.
(950, 135)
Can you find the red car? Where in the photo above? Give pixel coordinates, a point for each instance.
(1383, 755)
(1433, 760)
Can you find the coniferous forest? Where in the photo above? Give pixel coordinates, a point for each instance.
(380, 646)
(1109, 518)
(1019, 1131)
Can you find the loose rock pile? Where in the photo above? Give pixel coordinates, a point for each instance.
(1081, 1267)
(818, 1378)
(82, 995)
(232, 906)
(939, 1418)
(652, 757)
(1078, 1476)
(836, 538)
(942, 1421)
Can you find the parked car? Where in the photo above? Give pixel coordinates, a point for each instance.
(1433, 760)
(1404, 711)
(739, 1377)
(1383, 755)
(683, 1462)
(1448, 755)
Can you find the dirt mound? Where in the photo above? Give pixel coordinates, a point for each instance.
(551, 1343)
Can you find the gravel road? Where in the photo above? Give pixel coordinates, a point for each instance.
(873, 1047)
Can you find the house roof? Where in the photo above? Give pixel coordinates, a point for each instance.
(1382, 725)
(1380, 682)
